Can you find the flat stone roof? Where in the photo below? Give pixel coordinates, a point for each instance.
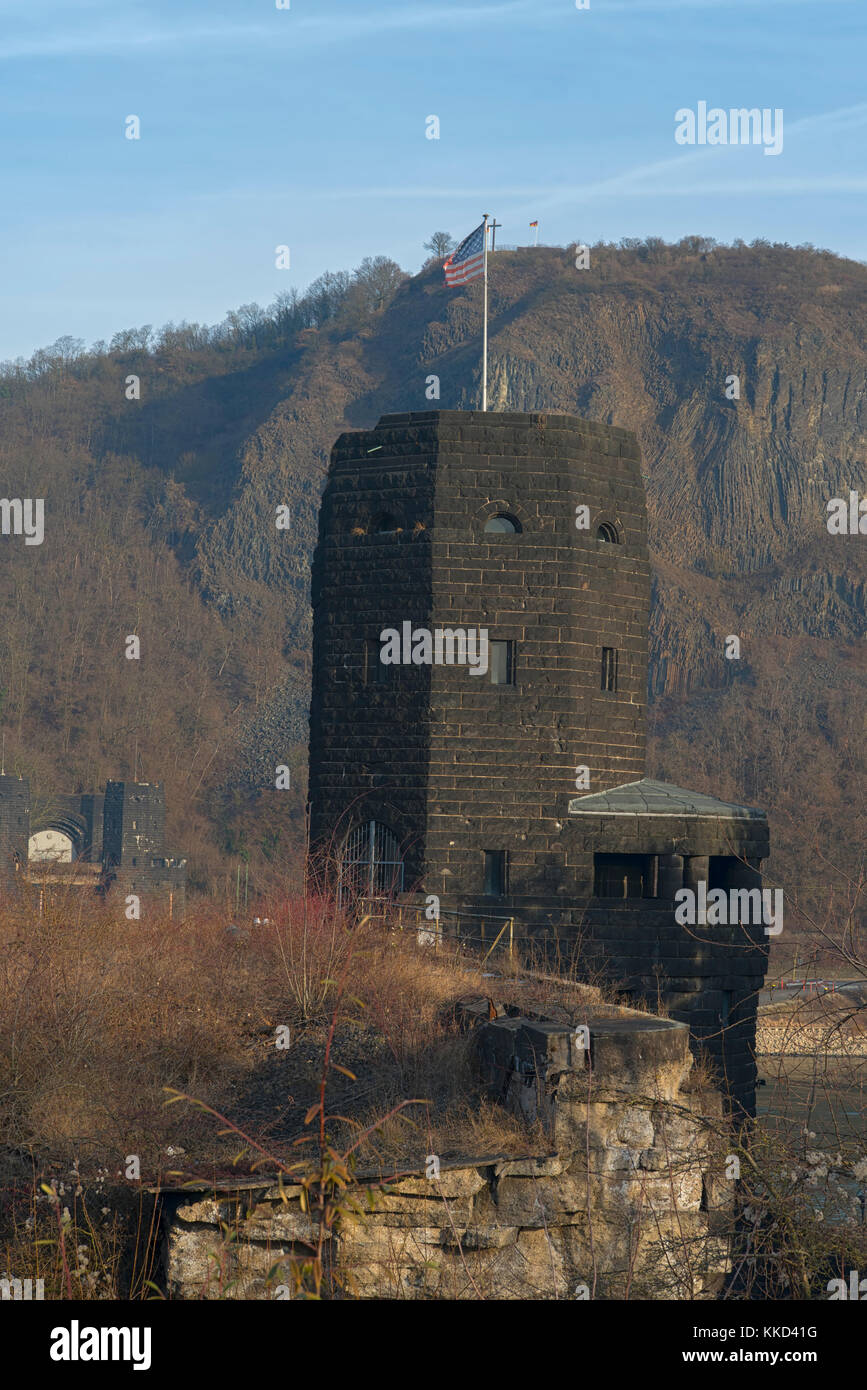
(648, 797)
(506, 418)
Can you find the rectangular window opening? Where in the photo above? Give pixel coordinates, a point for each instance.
(726, 1010)
(609, 668)
(625, 875)
(501, 656)
(496, 873)
(727, 871)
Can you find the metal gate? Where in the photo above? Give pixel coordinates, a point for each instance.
(370, 864)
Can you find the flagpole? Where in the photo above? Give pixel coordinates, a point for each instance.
(485, 322)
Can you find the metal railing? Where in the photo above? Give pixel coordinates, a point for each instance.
(474, 929)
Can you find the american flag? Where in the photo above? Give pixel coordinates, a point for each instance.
(468, 261)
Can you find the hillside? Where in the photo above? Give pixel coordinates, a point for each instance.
(160, 520)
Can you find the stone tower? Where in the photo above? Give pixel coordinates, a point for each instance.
(133, 844)
(501, 766)
(134, 822)
(468, 520)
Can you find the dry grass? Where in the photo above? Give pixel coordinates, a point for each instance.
(95, 1246)
(99, 1015)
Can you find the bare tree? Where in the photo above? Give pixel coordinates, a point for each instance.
(440, 245)
(378, 278)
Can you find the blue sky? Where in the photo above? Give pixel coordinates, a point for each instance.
(306, 127)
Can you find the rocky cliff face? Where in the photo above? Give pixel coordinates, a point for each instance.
(738, 475)
(737, 487)
(649, 337)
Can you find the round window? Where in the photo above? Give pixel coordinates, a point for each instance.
(503, 525)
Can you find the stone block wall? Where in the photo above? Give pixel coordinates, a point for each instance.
(503, 758)
(134, 825)
(14, 832)
(158, 881)
(470, 775)
(625, 1201)
(707, 975)
(454, 764)
(124, 828)
(369, 738)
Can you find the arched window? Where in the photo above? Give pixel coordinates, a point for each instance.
(56, 838)
(502, 524)
(370, 865)
(608, 534)
(51, 846)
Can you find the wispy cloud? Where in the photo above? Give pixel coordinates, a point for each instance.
(609, 188)
(809, 183)
(722, 8)
(680, 175)
(111, 33)
(650, 180)
(287, 29)
(841, 118)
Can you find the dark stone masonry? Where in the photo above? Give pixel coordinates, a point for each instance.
(110, 843)
(14, 829)
(512, 783)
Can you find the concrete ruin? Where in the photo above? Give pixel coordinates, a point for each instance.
(628, 1197)
(110, 843)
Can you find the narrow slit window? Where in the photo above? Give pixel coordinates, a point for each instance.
(609, 668)
(496, 873)
(501, 657)
(726, 1009)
